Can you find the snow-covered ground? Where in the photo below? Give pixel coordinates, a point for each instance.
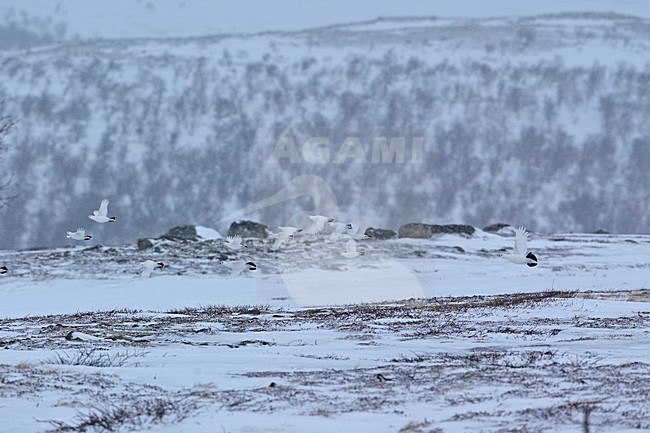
(414, 336)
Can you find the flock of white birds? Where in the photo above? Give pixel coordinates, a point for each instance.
(284, 234)
(353, 232)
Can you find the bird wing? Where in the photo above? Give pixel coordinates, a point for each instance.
(81, 232)
(278, 243)
(103, 208)
(317, 224)
(351, 247)
(521, 238)
(231, 240)
(235, 267)
(147, 267)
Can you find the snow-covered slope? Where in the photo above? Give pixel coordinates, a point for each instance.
(86, 342)
(540, 120)
(311, 271)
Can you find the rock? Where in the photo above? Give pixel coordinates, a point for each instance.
(380, 234)
(493, 228)
(463, 229)
(182, 233)
(425, 231)
(248, 229)
(144, 244)
(601, 232)
(416, 231)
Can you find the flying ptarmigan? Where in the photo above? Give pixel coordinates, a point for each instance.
(358, 231)
(351, 250)
(149, 266)
(521, 255)
(339, 229)
(318, 223)
(3, 270)
(284, 235)
(234, 243)
(79, 235)
(238, 266)
(101, 215)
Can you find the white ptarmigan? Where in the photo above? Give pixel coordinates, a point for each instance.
(235, 243)
(289, 230)
(351, 250)
(149, 266)
(521, 255)
(238, 266)
(3, 270)
(283, 236)
(318, 223)
(79, 235)
(339, 229)
(358, 231)
(101, 215)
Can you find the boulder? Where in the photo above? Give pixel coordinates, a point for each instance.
(493, 228)
(182, 233)
(144, 244)
(380, 234)
(248, 229)
(463, 229)
(425, 231)
(416, 231)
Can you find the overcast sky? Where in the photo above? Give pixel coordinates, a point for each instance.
(155, 18)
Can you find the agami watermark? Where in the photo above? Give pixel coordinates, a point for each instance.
(320, 150)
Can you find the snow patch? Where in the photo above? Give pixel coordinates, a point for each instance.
(207, 233)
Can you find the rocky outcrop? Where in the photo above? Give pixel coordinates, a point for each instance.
(248, 229)
(144, 244)
(416, 231)
(425, 231)
(462, 229)
(181, 233)
(380, 234)
(493, 228)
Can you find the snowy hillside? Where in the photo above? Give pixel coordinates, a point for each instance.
(419, 336)
(539, 119)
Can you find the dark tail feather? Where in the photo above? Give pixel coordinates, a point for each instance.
(531, 256)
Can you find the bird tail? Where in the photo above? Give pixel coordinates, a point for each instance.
(532, 257)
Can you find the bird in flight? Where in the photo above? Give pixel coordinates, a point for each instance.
(101, 215)
(148, 267)
(358, 231)
(521, 255)
(318, 223)
(235, 243)
(238, 266)
(79, 235)
(283, 236)
(339, 229)
(351, 250)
